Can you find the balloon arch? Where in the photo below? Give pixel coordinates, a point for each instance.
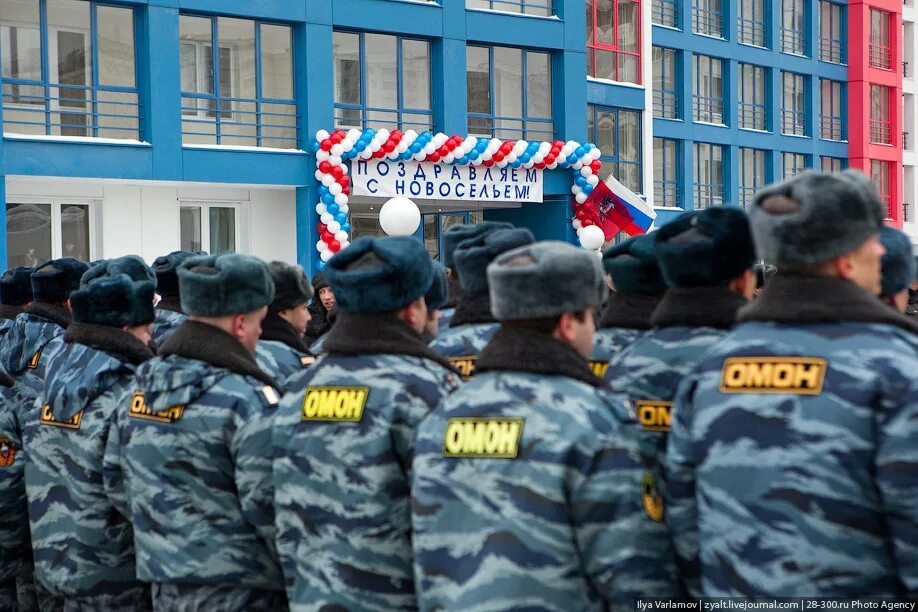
(333, 150)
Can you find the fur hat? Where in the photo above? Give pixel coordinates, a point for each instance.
(380, 274)
(438, 294)
(543, 280)
(220, 285)
(16, 286)
(815, 217)
(457, 233)
(634, 268)
(898, 262)
(165, 268)
(705, 248)
(115, 293)
(55, 280)
(472, 256)
(291, 287)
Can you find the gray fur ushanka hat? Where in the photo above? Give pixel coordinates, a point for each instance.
(230, 284)
(115, 293)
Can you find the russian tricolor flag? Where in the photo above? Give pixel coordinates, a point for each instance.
(617, 208)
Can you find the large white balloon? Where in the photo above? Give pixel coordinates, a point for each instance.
(400, 217)
(591, 238)
(341, 236)
(334, 227)
(326, 255)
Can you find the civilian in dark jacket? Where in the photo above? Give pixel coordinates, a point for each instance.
(324, 300)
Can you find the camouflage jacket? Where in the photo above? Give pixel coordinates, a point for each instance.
(281, 352)
(14, 524)
(625, 318)
(8, 316)
(195, 444)
(344, 439)
(168, 317)
(529, 490)
(472, 328)
(792, 467)
(82, 545)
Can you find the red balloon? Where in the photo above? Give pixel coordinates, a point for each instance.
(596, 166)
(326, 145)
(433, 157)
(549, 159)
(380, 154)
(321, 227)
(344, 181)
(346, 191)
(336, 138)
(396, 134)
(337, 172)
(498, 157)
(488, 163)
(585, 223)
(557, 144)
(389, 147)
(506, 147)
(325, 167)
(327, 237)
(555, 150)
(334, 246)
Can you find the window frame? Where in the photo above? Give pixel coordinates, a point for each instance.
(879, 122)
(616, 161)
(800, 163)
(832, 126)
(793, 116)
(666, 99)
(752, 30)
(593, 45)
(832, 49)
(667, 184)
(830, 167)
(883, 184)
(522, 4)
(793, 39)
(240, 209)
(708, 191)
(57, 203)
(746, 191)
(665, 13)
(704, 18)
(758, 110)
(704, 105)
(879, 54)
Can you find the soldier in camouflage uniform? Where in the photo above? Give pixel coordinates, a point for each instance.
(899, 268)
(435, 299)
(169, 314)
(196, 448)
(282, 350)
(15, 295)
(473, 325)
(638, 287)
(81, 537)
(344, 437)
(527, 487)
(792, 467)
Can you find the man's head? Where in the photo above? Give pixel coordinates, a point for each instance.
(898, 268)
(822, 224)
(435, 298)
(292, 293)
(16, 286)
(459, 233)
(708, 248)
(166, 269)
(229, 291)
(383, 275)
(473, 255)
(549, 284)
(117, 293)
(55, 280)
(323, 291)
(633, 267)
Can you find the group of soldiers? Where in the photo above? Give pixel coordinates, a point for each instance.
(468, 439)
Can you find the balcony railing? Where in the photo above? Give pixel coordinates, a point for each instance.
(752, 116)
(830, 128)
(751, 32)
(830, 50)
(664, 12)
(879, 132)
(792, 41)
(708, 195)
(793, 123)
(665, 104)
(880, 57)
(665, 193)
(708, 22)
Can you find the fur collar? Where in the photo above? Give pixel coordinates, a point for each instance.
(51, 312)
(6, 380)
(378, 334)
(455, 291)
(170, 302)
(522, 350)
(819, 299)
(473, 308)
(629, 310)
(698, 307)
(10, 312)
(277, 329)
(110, 340)
(203, 342)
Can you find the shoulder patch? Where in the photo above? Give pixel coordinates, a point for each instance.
(654, 415)
(7, 452)
(651, 498)
(599, 368)
(140, 410)
(33, 362)
(483, 437)
(794, 375)
(270, 395)
(307, 360)
(465, 365)
(335, 403)
(47, 418)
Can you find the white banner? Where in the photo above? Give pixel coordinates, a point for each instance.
(386, 179)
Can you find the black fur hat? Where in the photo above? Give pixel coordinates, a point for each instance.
(634, 268)
(16, 286)
(291, 287)
(115, 293)
(55, 280)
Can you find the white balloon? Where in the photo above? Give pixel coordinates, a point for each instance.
(319, 175)
(400, 217)
(410, 135)
(321, 208)
(575, 189)
(581, 198)
(593, 180)
(326, 255)
(334, 227)
(340, 236)
(347, 145)
(326, 218)
(577, 166)
(353, 134)
(344, 168)
(334, 188)
(336, 150)
(580, 232)
(322, 135)
(591, 238)
(328, 180)
(595, 153)
(322, 155)
(334, 160)
(576, 224)
(586, 171)
(321, 246)
(343, 208)
(450, 158)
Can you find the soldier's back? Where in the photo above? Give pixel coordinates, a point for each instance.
(461, 345)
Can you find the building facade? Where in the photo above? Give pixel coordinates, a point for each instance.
(145, 126)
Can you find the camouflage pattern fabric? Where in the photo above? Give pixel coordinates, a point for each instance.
(545, 511)
(280, 361)
(446, 317)
(136, 599)
(609, 342)
(461, 345)
(196, 455)
(344, 439)
(318, 347)
(166, 322)
(82, 545)
(194, 598)
(15, 546)
(792, 467)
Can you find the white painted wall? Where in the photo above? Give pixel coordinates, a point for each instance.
(273, 225)
(910, 120)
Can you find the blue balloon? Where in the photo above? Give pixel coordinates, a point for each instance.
(332, 208)
(581, 180)
(323, 190)
(320, 266)
(578, 152)
(341, 218)
(345, 227)
(328, 199)
(314, 146)
(587, 189)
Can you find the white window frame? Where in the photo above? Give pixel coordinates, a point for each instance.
(203, 112)
(241, 214)
(57, 247)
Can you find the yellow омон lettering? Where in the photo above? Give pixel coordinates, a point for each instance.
(493, 438)
(654, 416)
(47, 418)
(140, 410)
(335, 403)
(796, 375)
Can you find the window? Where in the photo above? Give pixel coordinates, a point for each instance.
(237, 82)
(831, 104)
(209, 227)
(751, 174)
(793, 27)
(709, 90)
(665, 92)
(68, 69)
(792, 163)
(751, 26)
(381, 81)
(879, 115)
(614, 40)
(509, 93)
(879, 176)
(793, 112)
(831, 164)
(709, 175)
(665, 13)
(752, 95)
(436, 225)
(665, 172)
(880, 54)
(708, 18)
(541, 8)
(44, 230)
(617, 133)
(831, 27)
